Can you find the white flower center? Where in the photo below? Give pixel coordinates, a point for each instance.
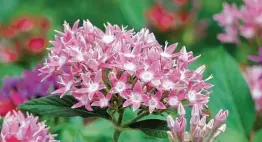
(62, 60)
(191, 96)
(256, 93)
(104, 102)
(156, 82)
(120, 86)
(108, 38)
(129, 67)
(80, 57)
(146, 76)
(153, 103)
(173, 101)
(93, 87)
(136, 98)
(168, 85)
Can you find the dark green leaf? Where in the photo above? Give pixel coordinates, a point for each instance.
(60, 107)
(152, 127)
(230, 92)
(134, 12)
(258, 136)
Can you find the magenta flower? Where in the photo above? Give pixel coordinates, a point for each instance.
(174, 99)
(103, 101)
(119, 85)
(17, 127)
(149, 73)
(92, 86)
(154, 102)
(136, 97)
(199, 129)
(132, 67)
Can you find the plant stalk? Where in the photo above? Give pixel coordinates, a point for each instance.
(117, 131)
(141, 115)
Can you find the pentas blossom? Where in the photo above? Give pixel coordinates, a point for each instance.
(245, 21)
(120, 66)
(20, 128)
(253, 77)
(200, 130)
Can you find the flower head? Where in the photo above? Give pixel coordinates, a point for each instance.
(100, 68)
(20, 128)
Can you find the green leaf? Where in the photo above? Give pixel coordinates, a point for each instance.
(258, 136)
(230, 92)
(134, 12)
(60, 107)
(152, 127)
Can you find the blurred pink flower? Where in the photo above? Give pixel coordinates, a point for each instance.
(20, 128)
(245, 21)
(253, 77)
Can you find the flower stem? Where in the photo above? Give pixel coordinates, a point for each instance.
(118, 131)
(116, 135)
(141, 115)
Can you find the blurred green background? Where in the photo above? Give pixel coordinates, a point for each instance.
(229, 83)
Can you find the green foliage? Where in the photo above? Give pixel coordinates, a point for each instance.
(152, 127)
(93, 133)
(258, 136)
(134, 12)
(230, 92)
(60, 107)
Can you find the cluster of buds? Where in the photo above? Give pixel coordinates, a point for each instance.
(120, 68)
(20, 128)
(245, 22)
(253, 78)
(17, 90)
(200, 130)
(23, 36)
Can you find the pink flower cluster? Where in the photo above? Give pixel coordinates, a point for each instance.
(200, 131)
(122, 67)
(253, 77)
(20, 128)
(246, 21)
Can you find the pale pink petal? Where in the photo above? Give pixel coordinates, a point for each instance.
(138, 87)
(127, 103)
(135, 106)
